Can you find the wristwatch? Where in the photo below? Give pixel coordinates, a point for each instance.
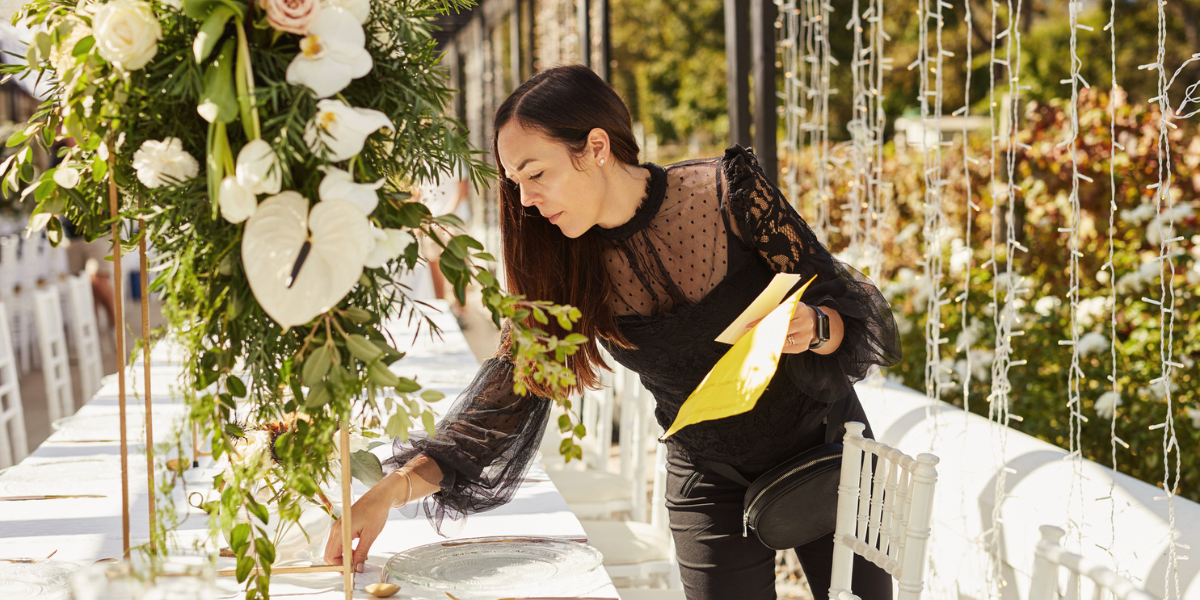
(821, 332)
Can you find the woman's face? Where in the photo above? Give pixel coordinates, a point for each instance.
(569, 196)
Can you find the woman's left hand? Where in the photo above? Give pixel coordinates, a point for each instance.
(801, 329)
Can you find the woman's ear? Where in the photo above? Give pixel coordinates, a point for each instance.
(598, 151)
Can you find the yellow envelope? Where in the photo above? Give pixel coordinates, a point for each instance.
(738, 380)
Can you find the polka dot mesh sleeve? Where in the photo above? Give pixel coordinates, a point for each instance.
(781, 238)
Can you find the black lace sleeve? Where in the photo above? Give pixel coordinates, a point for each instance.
(483, 444)
(779, 236)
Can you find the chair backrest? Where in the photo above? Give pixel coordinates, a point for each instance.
(1050, 555)
(883, 513)
(10, 248)
(56, 366)
(85, 334)
(13, 444)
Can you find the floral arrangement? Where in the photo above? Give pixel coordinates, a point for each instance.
(266, 148)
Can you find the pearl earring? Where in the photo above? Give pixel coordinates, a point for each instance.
(602, 162)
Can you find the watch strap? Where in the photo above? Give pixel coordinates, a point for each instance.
(821, 331)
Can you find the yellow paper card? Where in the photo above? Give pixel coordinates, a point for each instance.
(738, 380)
(762, 306)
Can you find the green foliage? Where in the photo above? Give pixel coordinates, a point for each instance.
(245, 370)
(1040, 387)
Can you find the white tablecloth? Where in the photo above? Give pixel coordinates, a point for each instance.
(83, 457)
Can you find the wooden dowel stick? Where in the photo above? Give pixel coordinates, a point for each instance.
(119, 333)
(278, 570)
(146, 365)
(347, 532)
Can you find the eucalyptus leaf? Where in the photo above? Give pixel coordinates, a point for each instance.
(316, 366)
(365, 467)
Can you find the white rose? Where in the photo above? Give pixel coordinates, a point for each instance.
(339, 185)
(161, 163)
(126, 33)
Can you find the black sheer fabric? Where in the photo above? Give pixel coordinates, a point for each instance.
(708, 237)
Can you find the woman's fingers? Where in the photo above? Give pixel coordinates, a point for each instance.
(333, 546)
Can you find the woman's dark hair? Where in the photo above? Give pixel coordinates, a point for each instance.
(565, 104)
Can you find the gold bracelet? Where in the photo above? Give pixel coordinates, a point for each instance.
(409, 495)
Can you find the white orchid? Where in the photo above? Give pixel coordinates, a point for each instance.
(258, 168)
(236, 202)
(339, 185)
(361, 9)
(160, 163)
(332, 54)
(389, 245)
(342, 129)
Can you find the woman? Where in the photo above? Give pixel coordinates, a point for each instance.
(659, 261)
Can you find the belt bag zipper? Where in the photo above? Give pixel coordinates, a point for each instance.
(746, 512)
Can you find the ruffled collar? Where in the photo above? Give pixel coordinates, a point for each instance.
(656, 191)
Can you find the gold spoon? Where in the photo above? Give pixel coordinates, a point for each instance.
(383, 589)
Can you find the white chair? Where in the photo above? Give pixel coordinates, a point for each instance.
(13, 445)
(884, 518)
(1050, 555)
(85, 334)
(597, 493)
(56, 367)
(15, 294)
(637, 552)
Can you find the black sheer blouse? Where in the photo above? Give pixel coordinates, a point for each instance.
(707, 238)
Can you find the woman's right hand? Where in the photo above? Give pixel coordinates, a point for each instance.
(367, 517)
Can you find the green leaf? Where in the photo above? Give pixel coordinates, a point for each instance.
(366, 468)
(219, 85)
(266, 550)
(244, 565)
(239, 538)
(211, 31)
(378, 373)
(99, 169)
(576, 338)
(359, 315)
(83, 46)
(258, 510)
(485, 256)
(362, 348)
(398, 426)
(236, 387)
(405, 385)
(234, 430)
(432, 395)
(428, 423)
(564, 423)
(316, 366)
(318, 396)
(580, 431)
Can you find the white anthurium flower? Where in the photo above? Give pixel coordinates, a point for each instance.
(332, 54)
(66, 176)
(389, 245)
(342, 129)
(258, 169)
(236, 202)
(361, 9)
(339, 185)
(301, 263)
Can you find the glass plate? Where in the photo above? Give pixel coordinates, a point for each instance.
(44, 580)
(518, 565)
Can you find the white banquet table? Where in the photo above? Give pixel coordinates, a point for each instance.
(83, 457)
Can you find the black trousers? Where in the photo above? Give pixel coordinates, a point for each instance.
(717, 563)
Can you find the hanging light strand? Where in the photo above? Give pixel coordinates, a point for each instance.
(1166, 303)
(794, 111)
(1112, 277)
(969, 211)
(1075, 374)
